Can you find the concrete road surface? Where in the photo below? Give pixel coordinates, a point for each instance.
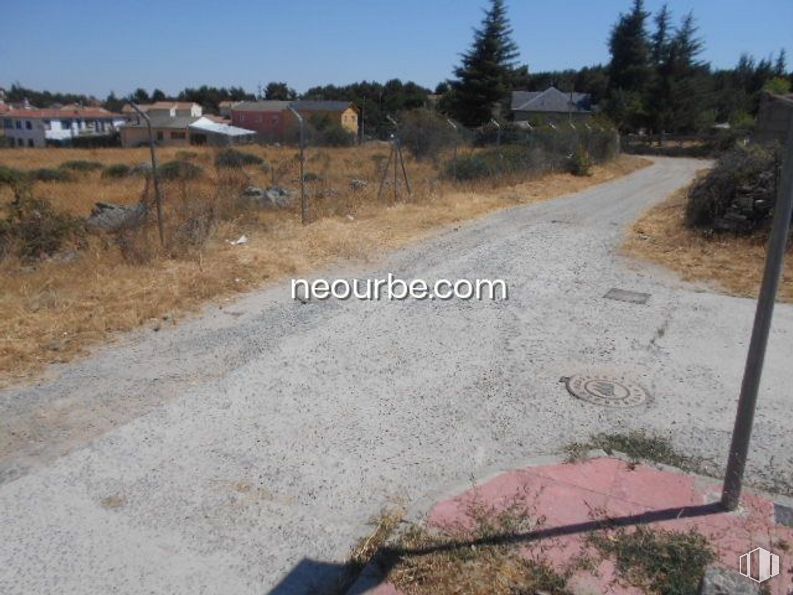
(248, 447)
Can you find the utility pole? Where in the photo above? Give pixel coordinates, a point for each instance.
(154, 176)
(747, 403)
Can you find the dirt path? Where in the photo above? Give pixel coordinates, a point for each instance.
(216, 456)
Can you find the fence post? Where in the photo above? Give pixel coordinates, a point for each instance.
(454, 156)
(303, 205)
(154, 177)
(747, 402)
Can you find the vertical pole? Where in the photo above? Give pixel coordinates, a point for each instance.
(404, 171)
(303, 202)
(154, 176)
(395, 150)
(385, 175)
(454, 155)
(777, 244)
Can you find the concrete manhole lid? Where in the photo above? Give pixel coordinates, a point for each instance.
(606, 391)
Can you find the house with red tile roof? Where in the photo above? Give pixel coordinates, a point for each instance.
(32, 127)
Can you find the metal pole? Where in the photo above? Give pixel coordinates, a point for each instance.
(498, 131)
(303, 205)
(154, 177)
(454, 157)
(395, 151)
(777, 244)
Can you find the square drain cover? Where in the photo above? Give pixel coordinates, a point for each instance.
(783, 515)
(623, 295)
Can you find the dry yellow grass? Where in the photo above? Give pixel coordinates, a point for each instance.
(730, 264)
(52, 310)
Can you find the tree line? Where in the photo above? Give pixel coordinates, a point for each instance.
(655, 81)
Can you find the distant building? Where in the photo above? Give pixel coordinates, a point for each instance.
(181, 131)
(343, 113)
(551, 105)
(273, 120)
(225, 108)
(30, 127)
(171, 109)
(268, 118)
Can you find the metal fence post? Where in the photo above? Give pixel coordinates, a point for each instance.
(303, 204)
(154, 177)
(777, 244)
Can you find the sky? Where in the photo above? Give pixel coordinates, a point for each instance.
(93, 47)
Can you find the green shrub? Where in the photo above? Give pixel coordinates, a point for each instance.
(50, 175)
(509, 159)
(117, 170)
(235, 158)
(324, 131)
(10, 176)
(179, 170)
(81, 165)
(32, 228)
(311, 177)
(580, 163)
(425, 133)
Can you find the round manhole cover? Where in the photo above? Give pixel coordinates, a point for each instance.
(606, 391)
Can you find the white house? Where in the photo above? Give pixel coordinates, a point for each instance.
(28, 127)
(170, 109)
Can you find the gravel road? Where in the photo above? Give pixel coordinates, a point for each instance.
(250, 445)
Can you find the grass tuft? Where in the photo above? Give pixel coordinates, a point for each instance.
(657, 561)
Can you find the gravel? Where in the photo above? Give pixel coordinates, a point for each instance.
(250, 445)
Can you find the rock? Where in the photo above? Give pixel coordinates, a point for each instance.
(356, 184)
(720, 581)
(271, 198)
(110, 217)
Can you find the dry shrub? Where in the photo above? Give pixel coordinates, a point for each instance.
(746, 171)
(32, 228)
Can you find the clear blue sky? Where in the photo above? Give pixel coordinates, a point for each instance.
(94, 47)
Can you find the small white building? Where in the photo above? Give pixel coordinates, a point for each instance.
(169, 109)
(29, 127)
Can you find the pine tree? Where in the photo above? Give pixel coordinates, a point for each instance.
(485, 76)
(686, 81)
(660, 39)
(629, 69)
(780, 68)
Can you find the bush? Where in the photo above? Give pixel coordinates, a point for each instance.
(505, 160)
(738, 194)
(50, 175)
(117, 170)
(32, 228)
(425, 133)
(235, 158)
(324, 131)
(81, 165)
(179, 170)
(10, 176)
(580, 163)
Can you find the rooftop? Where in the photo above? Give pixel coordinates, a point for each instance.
(551, 100)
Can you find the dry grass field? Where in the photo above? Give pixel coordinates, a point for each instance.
(730, 263)
(53, 309)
